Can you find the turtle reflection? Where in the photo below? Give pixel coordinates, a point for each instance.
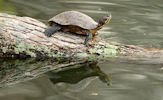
(77, 73)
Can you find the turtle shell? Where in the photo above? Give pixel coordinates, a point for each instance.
(74, 18)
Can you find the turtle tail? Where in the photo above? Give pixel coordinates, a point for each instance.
(51, 30)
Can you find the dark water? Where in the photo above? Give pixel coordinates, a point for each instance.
(138, 22)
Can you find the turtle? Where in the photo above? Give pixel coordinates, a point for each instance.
(76, 22)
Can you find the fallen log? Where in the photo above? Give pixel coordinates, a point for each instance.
(24, 37)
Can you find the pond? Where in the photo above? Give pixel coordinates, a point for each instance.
(136, 22)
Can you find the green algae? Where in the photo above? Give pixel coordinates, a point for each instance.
(104, 51)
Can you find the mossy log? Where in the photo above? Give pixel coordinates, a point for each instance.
(24, 37)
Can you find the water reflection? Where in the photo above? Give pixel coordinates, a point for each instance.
(79, 73)
(16, 71)
(54, 84)
(131, 80)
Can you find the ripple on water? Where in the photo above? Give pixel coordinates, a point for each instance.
(129, 76)
(88, 2)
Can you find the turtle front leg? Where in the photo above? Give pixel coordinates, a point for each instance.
(52, 29)
(88, 37)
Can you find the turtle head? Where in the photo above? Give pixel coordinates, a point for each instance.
(104, 20)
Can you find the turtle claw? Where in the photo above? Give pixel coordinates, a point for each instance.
(47, 34)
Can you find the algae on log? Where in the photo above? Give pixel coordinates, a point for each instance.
(24, 37)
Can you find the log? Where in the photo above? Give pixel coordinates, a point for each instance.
(24, 37)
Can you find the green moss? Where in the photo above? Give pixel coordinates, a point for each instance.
(103, 51)
(98, 52)
(110, 52)
(92, 50)
(32, 50)
(4, 49)
(82, 55)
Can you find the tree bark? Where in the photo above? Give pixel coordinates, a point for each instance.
(24, 37)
